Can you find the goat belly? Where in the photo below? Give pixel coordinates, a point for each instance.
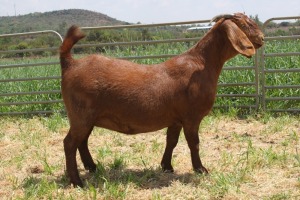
(131, 125)
(133, 118)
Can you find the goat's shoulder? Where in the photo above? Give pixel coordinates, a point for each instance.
(183, 65)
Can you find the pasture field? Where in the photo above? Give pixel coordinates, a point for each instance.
(257, 157)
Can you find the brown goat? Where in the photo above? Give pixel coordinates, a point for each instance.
(130, 98)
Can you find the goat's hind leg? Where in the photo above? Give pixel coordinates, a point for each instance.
(70, 147)
(85, 155)
(77, 138)
(173, 133)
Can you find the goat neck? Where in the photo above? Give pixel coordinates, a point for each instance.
(214, 49)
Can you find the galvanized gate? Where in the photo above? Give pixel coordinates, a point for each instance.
(269, 69)
(32, 85)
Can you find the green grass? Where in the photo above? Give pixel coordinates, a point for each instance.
(253, 158)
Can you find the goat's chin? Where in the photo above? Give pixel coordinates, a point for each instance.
(257, 46)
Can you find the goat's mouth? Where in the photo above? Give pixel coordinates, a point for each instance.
(258, 44)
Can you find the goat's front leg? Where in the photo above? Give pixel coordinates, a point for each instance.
(173, 133)
(192, 137)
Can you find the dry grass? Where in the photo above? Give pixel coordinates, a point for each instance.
(253, 158)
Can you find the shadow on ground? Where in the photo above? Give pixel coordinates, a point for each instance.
(148, 178)
(140, 178)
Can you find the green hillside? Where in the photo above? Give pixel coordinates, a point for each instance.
(55, 20)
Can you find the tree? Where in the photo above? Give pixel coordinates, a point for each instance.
(62, 27)
(146, 35)
(21, 46)
(284, 24)
(256, 19)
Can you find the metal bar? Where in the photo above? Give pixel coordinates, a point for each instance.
(282, 70)
(30, 93)
(262, 78)
(282, 54)
(283, 87)
(32, 33)
(137, 42)
(28, 65)
(239, 68)
(30, 50)
(32, 112)
(30, 102)
(236, 84)
(256, 70)
(236, 95)
(282, 37)
(236, 106)
(279, 18)
(145, 25)
(283, 110)
(31, 79)
(282, 98)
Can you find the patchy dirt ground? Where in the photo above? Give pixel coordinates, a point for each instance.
(247, 159)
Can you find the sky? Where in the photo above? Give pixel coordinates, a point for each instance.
(158, 11)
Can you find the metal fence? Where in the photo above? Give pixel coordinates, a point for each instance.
(268, 70)
(25, 90)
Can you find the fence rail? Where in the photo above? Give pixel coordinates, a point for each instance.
(33, 98)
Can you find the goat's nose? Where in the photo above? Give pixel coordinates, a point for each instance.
(262, 37)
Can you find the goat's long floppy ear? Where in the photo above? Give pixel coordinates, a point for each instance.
(239, 40)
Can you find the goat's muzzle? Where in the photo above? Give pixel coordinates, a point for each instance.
(259, 41)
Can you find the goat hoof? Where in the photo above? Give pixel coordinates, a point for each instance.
(201, 170)
(91, 169)
(167, 169)
(77, 184)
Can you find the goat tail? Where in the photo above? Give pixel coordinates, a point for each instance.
(73, 35)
